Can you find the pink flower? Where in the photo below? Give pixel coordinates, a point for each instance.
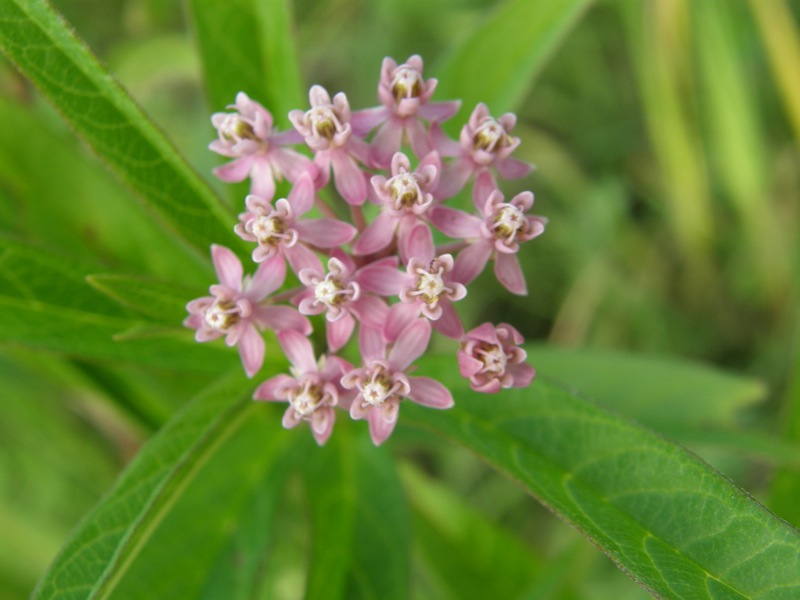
(490, 357)
(484, 142)
(427, 288)
(280, 231)
(405, 96)
(247, 135)
(327, 131)
(382, 382)
(233, 310)
(312, 391)
(339, 295)
(406, 198)
(497, 232)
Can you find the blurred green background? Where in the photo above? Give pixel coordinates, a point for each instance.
(666, 135)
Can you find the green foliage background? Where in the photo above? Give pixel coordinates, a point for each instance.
(666, 135)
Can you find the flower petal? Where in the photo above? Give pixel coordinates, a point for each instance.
(456, 223)
(522, 374)
(454, 178)
(379, 430)
(272, 390)
(364, 121)
(511, 168)
(386, 142)
(471, 261)
(262, 180)
(377, 236)
(439, 111)
(448, 323)
(509, 273)
(228, 267)
(325, 233)
(371, 344)
(301, 198)
(410, 345)
(298, 350)
(400, 316)
(371, 311)
(483, 188)
(278, 318)
(349, 180)
(429, 392)
(338, 332)
(235, 171)
(322, 424)
(251, 350)
(301, 257)
(418, 244)
(382, 279)
(269, 276)
(418, 138)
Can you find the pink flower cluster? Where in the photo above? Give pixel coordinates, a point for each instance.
(383, 277)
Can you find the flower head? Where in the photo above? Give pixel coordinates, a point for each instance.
(235, 308)
(247, 135)
(490, 357)
(382, 383)
(313, 389)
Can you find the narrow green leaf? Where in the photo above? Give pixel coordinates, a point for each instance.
(168, 502)
(498, 62)
(157, 300)
(46, 304)
(660, 392)
(248, 46)
(473, 557)
(360, 528)
(668, 520)
(47, 51)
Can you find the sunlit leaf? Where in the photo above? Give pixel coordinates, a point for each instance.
(360, 527)
(498, 62)
(47, 51)
(247, 46)
(170, 513)
(667, 519)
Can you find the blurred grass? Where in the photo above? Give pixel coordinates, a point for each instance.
(667, 139)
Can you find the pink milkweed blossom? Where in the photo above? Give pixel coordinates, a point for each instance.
(234, 309)
(405, 198)
(405, 96)
(279, 230)
(339, 295)
(497, 232)
(327, 131)
(382, 383)
(313, 389)
(247, 136)
(490, 357)
(427, 288)
(484, 142)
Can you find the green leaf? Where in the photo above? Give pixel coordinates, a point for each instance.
(174, 505)
(360, 521)
(247, 46)
(667, 394)
(46, 304)
(663, 516)
(472, 556)
(157, 300)
(46, 50)
(498, 62)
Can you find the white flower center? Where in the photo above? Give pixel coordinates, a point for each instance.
(430, 283)
(306, 400)
(406, 83)
(490, 136)
(375, 392)
(234, 128)
(222, 315)
(405, 191)
(508, 219)
(323, 122)
(493, 357)
(268, 229)
(327, 291)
